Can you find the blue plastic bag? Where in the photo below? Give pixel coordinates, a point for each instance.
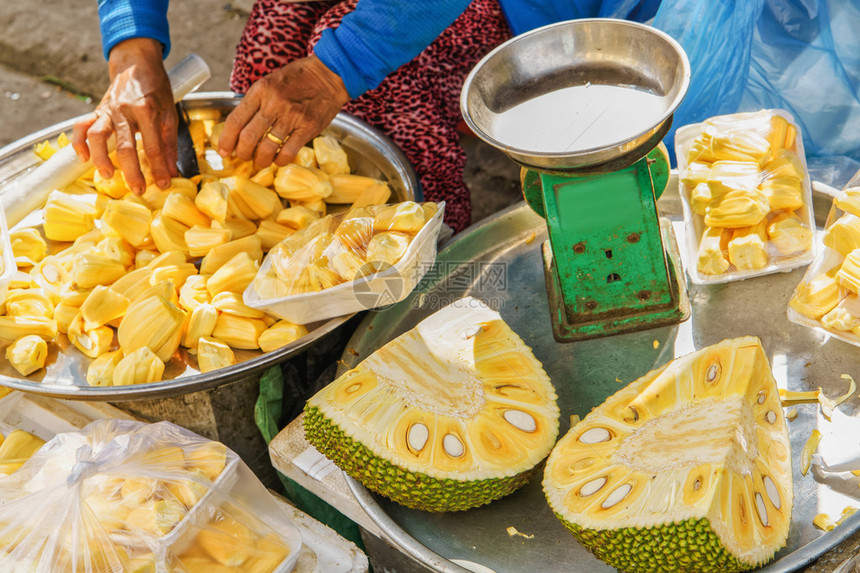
(717, 36)
(806, 60)
(799, 55)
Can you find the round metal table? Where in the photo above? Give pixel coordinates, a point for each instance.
(499, 260)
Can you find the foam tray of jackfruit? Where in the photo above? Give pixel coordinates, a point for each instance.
(747, 195)
(91, 311)
(668, 515)
(828, 296)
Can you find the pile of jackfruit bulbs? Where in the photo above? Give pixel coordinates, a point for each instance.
(342, 248)
(134, 281)
(832, 297)
(140, 505)
(746, 178)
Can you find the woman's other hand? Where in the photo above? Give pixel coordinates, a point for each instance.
(139, 100)
(282, 111)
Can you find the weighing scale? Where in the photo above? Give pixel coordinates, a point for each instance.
(583, 106)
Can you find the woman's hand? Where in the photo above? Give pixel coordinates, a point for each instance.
(282, 111)
(139, 100)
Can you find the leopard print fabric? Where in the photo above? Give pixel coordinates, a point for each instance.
(417, 105)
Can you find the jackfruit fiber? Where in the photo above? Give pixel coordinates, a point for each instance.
(686, 469)
(453, 414)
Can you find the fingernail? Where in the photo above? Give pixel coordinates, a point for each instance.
(222, 152)
(163, 183)
(137, 189)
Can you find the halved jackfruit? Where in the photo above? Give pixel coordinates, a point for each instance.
(688, 468)
(452, 414)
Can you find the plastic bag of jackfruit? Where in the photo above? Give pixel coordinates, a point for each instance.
(747, 196)
(363, 258)
(7, 257)
(124, 496)
(828, 296)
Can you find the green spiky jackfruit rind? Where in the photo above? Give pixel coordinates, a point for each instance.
(411, 489)
(685, 547)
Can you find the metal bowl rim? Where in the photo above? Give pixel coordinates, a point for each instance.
(583, 154)
(208, 380)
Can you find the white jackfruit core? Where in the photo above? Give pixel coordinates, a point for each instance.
(432, 367)
(708, 432)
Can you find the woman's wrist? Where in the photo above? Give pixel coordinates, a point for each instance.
(135, 51)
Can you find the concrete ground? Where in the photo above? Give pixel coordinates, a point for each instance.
(52, 69)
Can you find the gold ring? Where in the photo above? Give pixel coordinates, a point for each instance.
(274, 138)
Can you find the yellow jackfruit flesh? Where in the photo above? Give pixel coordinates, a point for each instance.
(296, 183)
(67, 217)
(14, 327)
(183, 209)
(388, 247)
(154, 323)
(27, 354)
(747, 247)
(201, 323)
(139, 367)
(297, 217)
(406, 217)
(100, 371)
(788, 234)
(32, 302)
(783, 193)
(280, 334)
(845, 316)
(843, 235)
(738, 209)
(254, 200)
(213, 354)
(625, 486)
(347, 188)
(740, 145)
(238, 331)
(817, 297)
(234, 276)
(695, 173)
(712, 255)
(212, 200)
(91, 342)
(102, 306)
(28, 246)
(330, 155)
(130, 220)
(220, 255)
(168, 233)
(848, 201)
(849, 273)
(726, 176)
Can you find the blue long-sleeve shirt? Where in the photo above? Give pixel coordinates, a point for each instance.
(380, 35)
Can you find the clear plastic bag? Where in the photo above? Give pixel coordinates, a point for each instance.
(802, 56)
(828, 296)
(746, 195)
(357, 260)
(124, 496)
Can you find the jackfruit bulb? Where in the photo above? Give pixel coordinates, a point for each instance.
(453, 414)
(686, 469)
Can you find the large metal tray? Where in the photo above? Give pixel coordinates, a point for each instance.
(499, 261)
(370, 153)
